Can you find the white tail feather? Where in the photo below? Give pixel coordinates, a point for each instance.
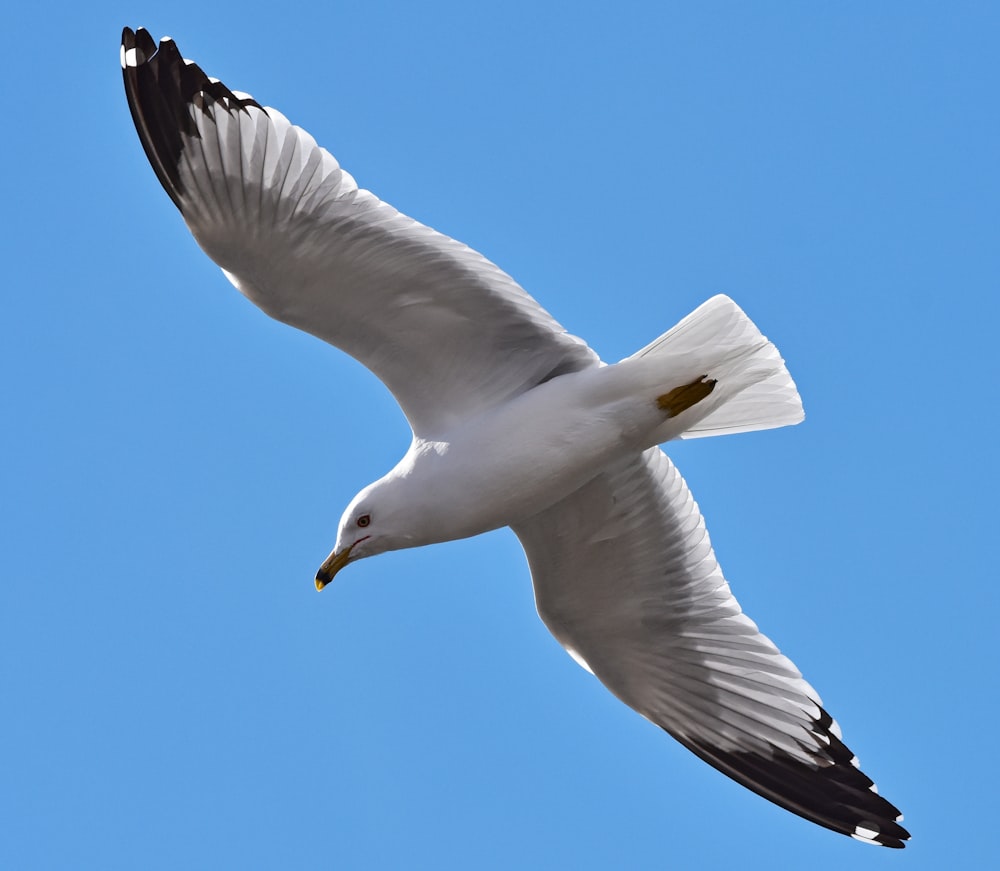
(754, 390)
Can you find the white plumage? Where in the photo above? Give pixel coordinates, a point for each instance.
(515, 422)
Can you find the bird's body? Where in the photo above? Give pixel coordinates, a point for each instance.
(517, 423)
(528, 453)
(446, 479)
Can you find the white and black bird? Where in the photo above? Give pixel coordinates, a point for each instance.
(517, 423)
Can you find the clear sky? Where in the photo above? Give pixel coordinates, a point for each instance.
(175, 692)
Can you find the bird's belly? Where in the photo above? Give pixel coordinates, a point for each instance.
(522, 458)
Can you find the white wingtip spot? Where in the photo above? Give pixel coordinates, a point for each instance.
(864, 834)
(855, 762)
(242, 95)
(129, 57)
(873, 788)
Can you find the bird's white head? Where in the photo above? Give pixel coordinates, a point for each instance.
(416, 503)
(377, 520)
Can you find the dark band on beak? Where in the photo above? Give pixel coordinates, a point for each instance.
(331, 565)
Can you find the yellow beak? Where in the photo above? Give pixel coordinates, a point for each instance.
(331, 565)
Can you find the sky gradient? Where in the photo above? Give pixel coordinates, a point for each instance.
(176, 692)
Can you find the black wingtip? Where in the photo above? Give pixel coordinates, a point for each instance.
(137, 46)
(833, 793)
(161, 88)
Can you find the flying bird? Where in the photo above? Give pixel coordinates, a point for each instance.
(517, 423)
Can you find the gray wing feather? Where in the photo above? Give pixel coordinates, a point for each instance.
(625, 578)
(447, 331)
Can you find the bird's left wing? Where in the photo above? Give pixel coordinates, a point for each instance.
(447, 331)
(626, 579)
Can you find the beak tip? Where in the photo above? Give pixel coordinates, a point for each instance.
(331, 565)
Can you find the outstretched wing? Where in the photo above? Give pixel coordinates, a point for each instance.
(626, 580)
(447, 331)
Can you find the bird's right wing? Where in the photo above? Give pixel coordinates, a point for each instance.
(448, 332)
(626, 579)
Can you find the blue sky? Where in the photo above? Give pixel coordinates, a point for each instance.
(175, 692)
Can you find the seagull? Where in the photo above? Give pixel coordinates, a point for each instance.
(518, 423)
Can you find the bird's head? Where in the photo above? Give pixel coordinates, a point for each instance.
(358, 537)
(376, 521)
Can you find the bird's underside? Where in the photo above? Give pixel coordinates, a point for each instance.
(624, 574)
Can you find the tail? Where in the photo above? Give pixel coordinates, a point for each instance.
(753, 389)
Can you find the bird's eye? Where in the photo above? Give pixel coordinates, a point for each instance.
(364, 520)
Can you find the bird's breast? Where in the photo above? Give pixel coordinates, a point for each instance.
(524, 456)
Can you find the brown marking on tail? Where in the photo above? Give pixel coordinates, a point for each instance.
(682, 398)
